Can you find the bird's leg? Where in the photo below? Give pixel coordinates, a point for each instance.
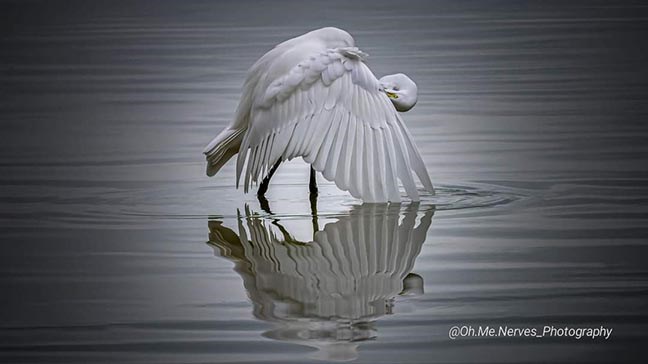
(266, 181)
(313, 206)
(312, 186)
(265, 205)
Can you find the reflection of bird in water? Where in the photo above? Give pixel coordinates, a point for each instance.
(314, 97)
(326, 293)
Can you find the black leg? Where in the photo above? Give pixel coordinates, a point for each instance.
(266, 181)
(312, 186)
(313, 206)
(265, 205)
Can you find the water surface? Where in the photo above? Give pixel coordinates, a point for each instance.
(115, 246)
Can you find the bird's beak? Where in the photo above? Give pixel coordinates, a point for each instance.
(391, 95)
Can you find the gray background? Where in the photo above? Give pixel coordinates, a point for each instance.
(531, 120)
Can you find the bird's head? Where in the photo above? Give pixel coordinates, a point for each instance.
(401, 90)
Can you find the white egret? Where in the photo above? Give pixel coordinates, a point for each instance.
(314, 97)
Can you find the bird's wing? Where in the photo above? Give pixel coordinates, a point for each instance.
(330, 110)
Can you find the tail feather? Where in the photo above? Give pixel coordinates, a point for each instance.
(222, 148)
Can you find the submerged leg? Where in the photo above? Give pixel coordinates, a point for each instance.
(312, 186)
(266, 181)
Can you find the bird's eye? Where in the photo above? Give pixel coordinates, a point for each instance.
(396, 88)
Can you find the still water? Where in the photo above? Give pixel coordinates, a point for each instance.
(115, 246)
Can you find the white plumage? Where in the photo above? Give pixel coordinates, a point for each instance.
(314, 97)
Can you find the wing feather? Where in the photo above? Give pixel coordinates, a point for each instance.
(344, 162)
(327, 143)
(357, 162)
(330, 110)
(330, 169)
(391, 165)
(319, 133)
(258, 151)
(370, 177)
(404, 166)
(295, 140)
(417, 161)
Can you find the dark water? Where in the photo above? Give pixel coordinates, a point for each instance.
(531, 119)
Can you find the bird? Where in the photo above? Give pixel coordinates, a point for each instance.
(314, 97)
